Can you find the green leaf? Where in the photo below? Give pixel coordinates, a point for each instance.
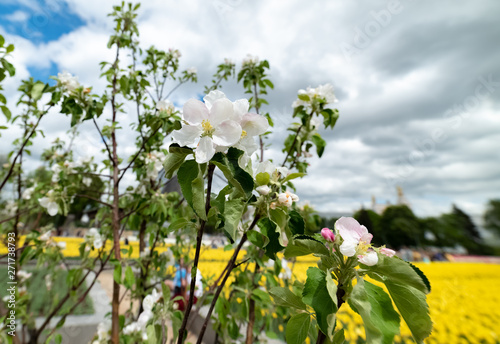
(284, 297)
(262, 178)
(293, 176)
(396, 270)
(174, 160)
(319, 143)
(233, 211)
(6, 112)
(268, 228)
(280, 218)
(316, 295)
(422, 276)
(37, 90)
(413, 308)
(150, 331)
(407, 289)
(296, 223)
(117, 273)
(198, 186)
(180, 224)
(338, 337)
(380, 319)
(297, 328)
(192, 186)
(129, 277)
(236, 176)
(258, 239)
(303, 97)
(304, 245)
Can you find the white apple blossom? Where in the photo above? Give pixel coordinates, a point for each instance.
(84, 160)
(323, 93)
(287, 198)
(87, 181)
(23, 275)
(210, 125)
(103, 332)
(165, 105)
(250, 60)
(94, 238)
(67, 167)
(387, 251)
(154, 163)
(61, 245)
(369, 258)
(48, 281)
(10, 208)
(28, 192)
(68, 81)
(45, 236)
(192, 71)
(50, 203)
(356, 239)
(176, 54)
(263, 189)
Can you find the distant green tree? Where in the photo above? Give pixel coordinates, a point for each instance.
(400, 227)
(467, 224)
(492, 216)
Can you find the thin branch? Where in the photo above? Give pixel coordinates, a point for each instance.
(124, 170)
(231, 266)
(104, 140)
(11, 169)
(173, 89)
(95, 199)
(194, 269)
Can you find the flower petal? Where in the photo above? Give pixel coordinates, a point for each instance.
(348, 248)
(194, 111)
(254, 124)
(52, 208)
(222, 110)
(210, 98)
(248, 145)
(187, 135)
(350, 229)
(227, 133)
(370, 258)
(240, 108)
(205, 150)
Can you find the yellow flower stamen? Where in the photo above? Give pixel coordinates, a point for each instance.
(207, 127)
(243, 134)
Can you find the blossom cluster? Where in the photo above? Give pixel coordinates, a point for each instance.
(94, 238)
(323, 93)
(154, 163)
(355, 241)
(250, 60)
(217, 124)
(139, 326)
(68, 81)
(286, 198)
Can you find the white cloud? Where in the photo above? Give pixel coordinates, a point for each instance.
(393, 95)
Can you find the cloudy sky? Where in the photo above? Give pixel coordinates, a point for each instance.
(418, 83)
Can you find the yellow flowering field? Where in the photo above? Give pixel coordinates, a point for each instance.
(464, 301)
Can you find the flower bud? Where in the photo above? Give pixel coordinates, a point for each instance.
(328, 234)
(388, 252)
(263, 189)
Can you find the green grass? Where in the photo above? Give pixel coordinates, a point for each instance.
(43, 300)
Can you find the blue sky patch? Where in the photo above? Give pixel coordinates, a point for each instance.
(40, 21)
